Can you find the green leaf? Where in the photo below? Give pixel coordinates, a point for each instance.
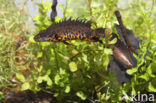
(20, 77)
(67, 90)
(85, 58)
(63, 56)
(25, 86)
(151, 87)
(144, 76)
(73, 66)
(39, 54)
(56, 94)
(106, 58)
(62, 71)
(1, 95)
(108, 51)
(113, 41)
(39, 80)
(131, 71)
(57, 79)
(74, 51)
(48, 79)
(31, 39)
(81, 95)
(45, 78)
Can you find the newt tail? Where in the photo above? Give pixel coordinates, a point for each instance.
(81, 30)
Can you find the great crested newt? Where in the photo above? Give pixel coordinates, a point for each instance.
(81, 30)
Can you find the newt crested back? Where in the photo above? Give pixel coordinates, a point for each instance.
(70, 30)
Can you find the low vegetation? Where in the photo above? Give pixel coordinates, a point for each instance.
(26, 64)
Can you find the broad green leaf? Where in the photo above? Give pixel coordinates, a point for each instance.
(40, 79)
(63, 56)
(85, 58)
(56, 94)
(48, 72)
(36, 18)
(73, 66)
(144, 76)
(2, 95)
(74, 51)
(62, 71)
(48, 79)
(113, 41)
(149, 71)
(108, 51)
(25, 86)
(57, 79)
(81, 95)
(151, 87)
(39, 54)
(131, 71)
(67, 90)
(20, 77)
(106, 60)
(45, 78)
(31, 39)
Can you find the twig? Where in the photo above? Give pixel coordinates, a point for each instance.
(91, 14)
(54, 12)
(123, 30)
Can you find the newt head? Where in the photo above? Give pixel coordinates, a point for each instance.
(44, 36)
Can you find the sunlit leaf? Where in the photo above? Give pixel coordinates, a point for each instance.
(131, 71)
(151, 87)
(113, 41)
(144, 76)
(56, 94)
(39, 54)
(73, 66)
(81, 95)
(48, 79)
(85, 58)
(74, 51)
(25, 86)
(67, 90)
(108, 51)
(31, 39)
(20, 77)
(39, 80)
(56, 79)
(45, 78)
